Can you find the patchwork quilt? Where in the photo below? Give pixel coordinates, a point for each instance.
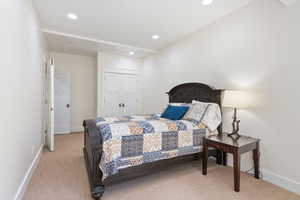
(134, 140)
(126, 118)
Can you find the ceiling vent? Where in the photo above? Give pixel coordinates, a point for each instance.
(288, 2)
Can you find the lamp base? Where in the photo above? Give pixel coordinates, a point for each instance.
(234, 135)
(235, 127)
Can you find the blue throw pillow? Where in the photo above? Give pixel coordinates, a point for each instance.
(174, 112)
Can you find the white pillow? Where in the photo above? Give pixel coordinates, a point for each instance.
(196, 112)
(212, 117)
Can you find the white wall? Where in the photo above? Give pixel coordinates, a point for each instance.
(21, 86)
(114, 63)
(83, 85)
(256, 49)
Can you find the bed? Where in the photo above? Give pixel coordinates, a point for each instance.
(142, 144)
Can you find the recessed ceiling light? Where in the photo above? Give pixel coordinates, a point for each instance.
(155, 37)
(72, 16)
(131, 53)
(207, 2)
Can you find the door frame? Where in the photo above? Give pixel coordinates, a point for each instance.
(121, 71)
(49, 104)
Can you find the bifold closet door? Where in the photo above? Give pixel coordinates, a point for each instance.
(120, 94)
(130, 94)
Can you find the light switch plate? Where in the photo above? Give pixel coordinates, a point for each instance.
(287, 2)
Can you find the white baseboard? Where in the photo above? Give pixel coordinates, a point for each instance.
(77, 129)
(23, 186)
(281, 181)
(61, 133)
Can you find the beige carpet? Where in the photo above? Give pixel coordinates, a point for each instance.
(61, 175)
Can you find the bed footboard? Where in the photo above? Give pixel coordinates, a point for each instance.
(92, 151)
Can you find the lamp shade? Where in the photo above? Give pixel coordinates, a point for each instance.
(235, 99)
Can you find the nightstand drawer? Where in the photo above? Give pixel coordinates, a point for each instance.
(221, 147)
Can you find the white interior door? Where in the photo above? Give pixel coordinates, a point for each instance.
(120, 94)
(50, 88)
(62, 102)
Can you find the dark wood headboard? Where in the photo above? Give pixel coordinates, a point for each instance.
(187, 92)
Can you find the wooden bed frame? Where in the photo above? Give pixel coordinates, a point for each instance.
(92, 149)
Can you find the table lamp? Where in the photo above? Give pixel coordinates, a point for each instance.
(235, 99)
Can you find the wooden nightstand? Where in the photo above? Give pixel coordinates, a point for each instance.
(236, 147)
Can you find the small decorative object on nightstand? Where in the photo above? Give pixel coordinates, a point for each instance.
(224, 143)
(235, 99)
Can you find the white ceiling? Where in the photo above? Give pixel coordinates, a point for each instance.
(129, 22)
(73, 44)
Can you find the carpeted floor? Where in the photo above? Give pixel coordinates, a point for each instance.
(61, 175)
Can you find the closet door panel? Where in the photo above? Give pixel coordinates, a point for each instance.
(112, 95)
(120, 94)
(130, 96)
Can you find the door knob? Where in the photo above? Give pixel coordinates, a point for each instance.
(68, 105)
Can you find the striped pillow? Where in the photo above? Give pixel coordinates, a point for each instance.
(196, 112)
